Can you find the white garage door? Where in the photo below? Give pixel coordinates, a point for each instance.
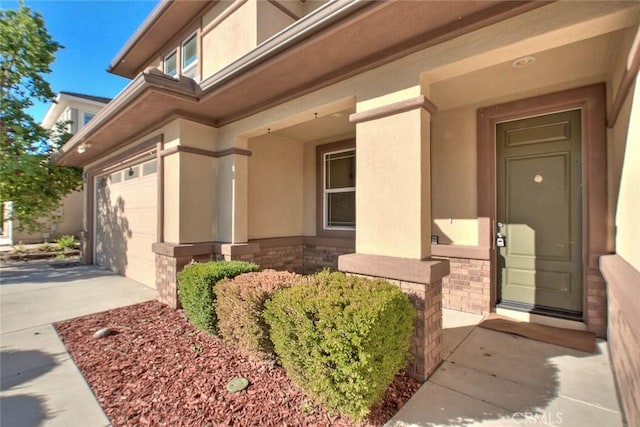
(126, 218)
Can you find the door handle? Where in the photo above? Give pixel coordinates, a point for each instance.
(501, 240)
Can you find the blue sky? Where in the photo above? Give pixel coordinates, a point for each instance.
(92, 32)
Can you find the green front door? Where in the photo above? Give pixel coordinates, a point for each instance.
(539, 213)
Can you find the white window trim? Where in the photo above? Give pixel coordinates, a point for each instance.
(326, 192)
(164, 62)
(195, 62)
(84, 117)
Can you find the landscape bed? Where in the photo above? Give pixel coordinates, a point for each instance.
(158, 369)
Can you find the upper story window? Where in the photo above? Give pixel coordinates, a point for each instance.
(171, 64)
(86, 117)
(339, 208)
(189, 55)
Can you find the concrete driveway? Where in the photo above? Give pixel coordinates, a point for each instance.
(40, 385)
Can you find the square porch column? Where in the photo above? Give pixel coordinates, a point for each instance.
(202, 202)
(393, 185)
(393, 215)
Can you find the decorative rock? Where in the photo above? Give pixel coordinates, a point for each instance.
(102, 333)
(237, 384)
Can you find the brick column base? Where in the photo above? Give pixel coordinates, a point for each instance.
(468, 286)
(427, 337)
(171, 259)
(421, 280)
(167, 269)
(623, 283)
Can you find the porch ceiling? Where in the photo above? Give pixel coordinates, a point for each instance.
(377, 34)
(554, 69)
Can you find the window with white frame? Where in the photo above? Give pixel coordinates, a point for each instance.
(86, 117)
(339, 188)
(171, 64)
(189, 54)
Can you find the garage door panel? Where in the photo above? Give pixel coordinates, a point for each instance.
(126, 225)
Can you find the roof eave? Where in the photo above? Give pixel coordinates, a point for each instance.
(154, 33)
(146, 25)
(151, 79)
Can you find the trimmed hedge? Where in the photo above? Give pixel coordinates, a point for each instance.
(239, 305)
(342, 338)
(195, 289)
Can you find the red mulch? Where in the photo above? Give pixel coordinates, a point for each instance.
(157, 369)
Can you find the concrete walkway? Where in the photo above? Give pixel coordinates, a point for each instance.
(491, 378)
(40, 385)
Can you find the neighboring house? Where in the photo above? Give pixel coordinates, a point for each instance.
(75, 110)
(486, 147)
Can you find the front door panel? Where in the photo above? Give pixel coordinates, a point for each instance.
(539, 206)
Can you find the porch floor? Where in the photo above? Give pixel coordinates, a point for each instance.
(490, 378)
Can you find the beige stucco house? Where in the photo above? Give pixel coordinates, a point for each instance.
(484, 155)
(74, 110)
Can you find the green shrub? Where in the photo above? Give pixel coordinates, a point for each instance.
(342, 338)
(195, 289)
(67, 242)
(239, 305)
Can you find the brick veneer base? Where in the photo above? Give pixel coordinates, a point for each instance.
(625, 356)
(426, 343)
(468, 286)
(167, 268)
(427, 338)
(290, 254)
(421, 280)
(289, 258)
(317, 258)
(623, 285)
(596, 300)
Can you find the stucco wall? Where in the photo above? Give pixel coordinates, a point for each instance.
(249, 25)
(270, 20)
(392, 168)
(276, 180)
(70, 222)
(309, 189)
(454, 176)
(621, 154)
(172, 165)
(627, 224)
(197, 201)
(230, 39)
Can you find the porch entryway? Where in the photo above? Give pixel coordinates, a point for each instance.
(494, 378)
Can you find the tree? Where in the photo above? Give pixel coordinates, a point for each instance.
(28, 179)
